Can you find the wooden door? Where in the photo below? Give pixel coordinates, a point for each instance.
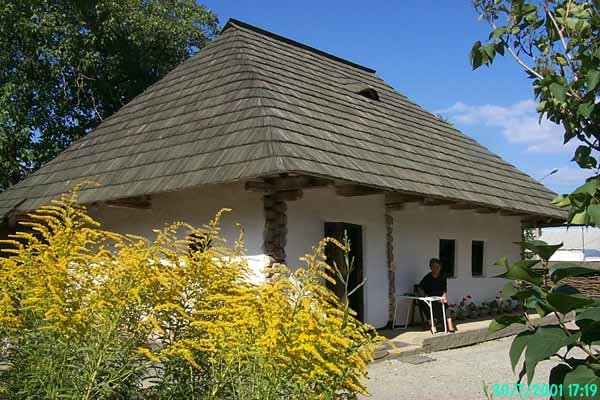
(334, 254)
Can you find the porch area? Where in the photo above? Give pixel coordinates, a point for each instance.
(414, 341)
(394, 235)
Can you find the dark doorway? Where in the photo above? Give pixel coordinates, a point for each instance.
(334, 254)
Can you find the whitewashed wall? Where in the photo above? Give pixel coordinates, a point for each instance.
(197, 207)
(306, 219)
(417, 230)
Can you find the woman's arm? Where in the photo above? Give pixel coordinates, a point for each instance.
(444, 289)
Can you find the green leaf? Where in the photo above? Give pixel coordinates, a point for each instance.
(587, 188)
(530, 302)
(498, 32)
(500, 48)
(583, 158)
(592, 314)
(542, 307)
(476, 57)
(593, 77)
(585, 109)
(581, 218)
(593, 211)
(490, 51)
(563, 270)
(517, 347)
(502, 262)
(560, 59)
(562, 201)
(541, 106)
(541, 248)
(543, 344)
(503, 322)
(557, 375)
(525, 294)
(564, 289)
(520, 271)
(559, 92)
(565, 303)
(581, 376)
(590, 331)
(509, 290)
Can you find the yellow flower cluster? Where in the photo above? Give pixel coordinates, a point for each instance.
(289, 338)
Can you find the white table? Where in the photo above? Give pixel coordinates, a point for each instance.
(427, 300)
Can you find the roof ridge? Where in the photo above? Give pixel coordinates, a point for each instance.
(240, 24)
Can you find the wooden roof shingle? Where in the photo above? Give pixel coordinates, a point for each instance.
(251, 104)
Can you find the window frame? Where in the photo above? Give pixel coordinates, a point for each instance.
(444, 270)
(483, 251)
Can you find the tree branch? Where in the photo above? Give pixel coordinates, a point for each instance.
(561, 36)
(513, 54)
(594, 146)
(578, 343)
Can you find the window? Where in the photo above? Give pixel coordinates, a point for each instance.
(477, 258)
(447, 256)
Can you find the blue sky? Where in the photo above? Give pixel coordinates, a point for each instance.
(421, 48)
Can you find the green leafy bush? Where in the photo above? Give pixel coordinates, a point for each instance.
(542, 289)
(91, 314)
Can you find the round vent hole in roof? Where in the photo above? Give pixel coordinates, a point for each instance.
(369, 93)
(363, 89)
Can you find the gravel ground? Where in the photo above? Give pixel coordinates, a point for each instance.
(455, 374)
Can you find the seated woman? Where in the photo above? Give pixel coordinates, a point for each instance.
(434, 284)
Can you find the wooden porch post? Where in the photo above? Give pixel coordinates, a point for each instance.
(275, 231)
(276, 192)
(391, 267)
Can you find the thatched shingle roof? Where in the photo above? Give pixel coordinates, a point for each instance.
(252, 104)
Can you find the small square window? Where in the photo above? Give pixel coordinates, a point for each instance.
(447, 256)
(477, 257)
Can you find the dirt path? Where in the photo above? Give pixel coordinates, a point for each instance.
(455, 374)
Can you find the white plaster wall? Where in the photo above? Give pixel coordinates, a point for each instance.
(196, 206)
(306, 219)
(417, 230)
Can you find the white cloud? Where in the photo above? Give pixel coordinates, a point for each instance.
(518, 122)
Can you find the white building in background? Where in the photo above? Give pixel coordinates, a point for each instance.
(579, 243)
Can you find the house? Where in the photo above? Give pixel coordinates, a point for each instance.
(300, 143)
(580, 243)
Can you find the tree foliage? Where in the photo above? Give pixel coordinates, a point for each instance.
(91, 314)
(67, 65)
(557, 43)
(542, 289)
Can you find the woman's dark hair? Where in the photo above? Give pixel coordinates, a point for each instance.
(435, 261)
